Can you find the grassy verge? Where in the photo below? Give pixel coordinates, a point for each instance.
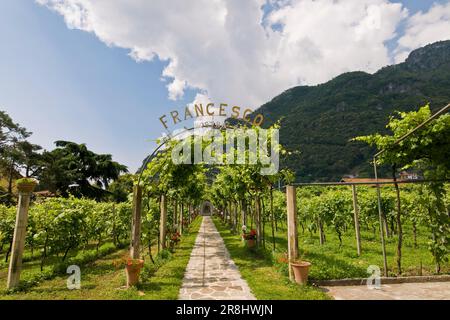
(100, 280)
(264, 279)
(32, 274)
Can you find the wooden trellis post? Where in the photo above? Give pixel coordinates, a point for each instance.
(244, 212)
(136, 222)
(235, 217)
(163, 222)
(20, 230)
(356, 218)
(181, 217)
(291, 202)
(175, 216)
(191, 210)
(258, 221)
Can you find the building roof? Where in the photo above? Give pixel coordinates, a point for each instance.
(366, 180)
(44, 193)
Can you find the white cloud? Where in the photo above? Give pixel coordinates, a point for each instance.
(424, 28)
(322, 39)
(234, 52)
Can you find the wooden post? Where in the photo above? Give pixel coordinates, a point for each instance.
(163, 222)
(244, 212)
(191, 209)
(258, 221)
(225, 213)
(175, 216)
(291, 202)
(136, 222)
(181, 217)
(230, 215)
(272, 217)
(356, 218)
(20, 230)
(235, 217)
(380, 218)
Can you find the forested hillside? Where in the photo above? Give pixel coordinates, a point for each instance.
(320, 120)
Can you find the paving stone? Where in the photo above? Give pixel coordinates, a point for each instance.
(211, 273)
(235, 288)
(401, 291)
(206, 290)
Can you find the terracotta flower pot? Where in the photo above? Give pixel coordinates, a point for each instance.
(301, 270)
(133, 272)
(251, 243)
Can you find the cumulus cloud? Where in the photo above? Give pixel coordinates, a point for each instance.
(424, 28)
(239, 51)
(321, 39)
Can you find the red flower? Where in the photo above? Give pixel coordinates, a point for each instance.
(251, 235)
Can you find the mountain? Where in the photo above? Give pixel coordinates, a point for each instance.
(320, 120)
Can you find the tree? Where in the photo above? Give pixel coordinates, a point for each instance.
(31, 159)
(15, 152)
(10, 132)
(72, 168)
(428, 149)
(245, 184)
(121, 188)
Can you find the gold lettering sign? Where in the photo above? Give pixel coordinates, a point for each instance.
(198, 111)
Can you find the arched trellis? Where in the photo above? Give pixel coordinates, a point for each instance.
(138, 188)
(205, 205)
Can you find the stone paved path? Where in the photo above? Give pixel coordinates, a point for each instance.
(211, 274)
(402, 291)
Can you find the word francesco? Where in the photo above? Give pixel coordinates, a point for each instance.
(210, 110)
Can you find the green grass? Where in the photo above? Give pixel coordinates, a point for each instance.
(264, 279)
(100, 280)
(31, 272)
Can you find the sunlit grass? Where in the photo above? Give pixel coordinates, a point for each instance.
(265, 281)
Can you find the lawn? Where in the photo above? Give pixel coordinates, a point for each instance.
(101, 280)
(265, 280)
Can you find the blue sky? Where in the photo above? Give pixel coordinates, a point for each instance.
(66, 84)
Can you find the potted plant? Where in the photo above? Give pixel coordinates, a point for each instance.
(132, 269)
(26, 184)
(300, 269)
(249, 237)
(174, 239)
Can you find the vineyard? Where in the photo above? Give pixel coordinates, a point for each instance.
(69, 231)
(339, 227)
(327, 233)
(62, 232)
